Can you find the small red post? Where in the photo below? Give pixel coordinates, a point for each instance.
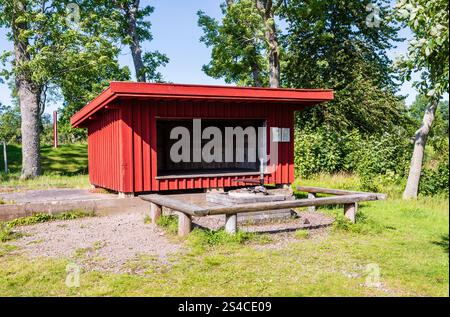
(55, 129)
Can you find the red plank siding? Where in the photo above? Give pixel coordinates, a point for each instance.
(122, 130)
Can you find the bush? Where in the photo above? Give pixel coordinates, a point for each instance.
(302, 234)
(168, 222)
(42, 217)
(435, 181)
(317, 151)
(377, 159)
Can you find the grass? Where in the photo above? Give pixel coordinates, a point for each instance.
(6, 228)
(169, 223)
(65, 166)
(345, 181)
(405, 241)
(302, 234)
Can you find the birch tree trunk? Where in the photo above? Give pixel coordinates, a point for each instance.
(29, 95)
(420, 139)
(266, 9)
(135, 45)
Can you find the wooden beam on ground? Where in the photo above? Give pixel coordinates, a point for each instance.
(172, 203)
(241, 208)
(333, 191)
(194, 210)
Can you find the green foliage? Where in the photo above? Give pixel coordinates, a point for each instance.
(302, 234)
(63, 167)
(363, 224)
(428, 50)
(329, 45)
(41, 217)
(380, 159)
(435, 180)
(411, 251)
(439, 130)
(317, 151)
(128, 24)
(6, 233)
(220, 237)
(66, 159)
(377, 159)
(153, 60)
(238, 45)
(168, 222)
(6, 228)
(9, 124)
(69, 57)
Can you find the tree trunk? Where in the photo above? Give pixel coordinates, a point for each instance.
(29, 95)
(254, 65)
(266, 10)
(420, 139)
(135, 45)
(274, 55)
(256, 75)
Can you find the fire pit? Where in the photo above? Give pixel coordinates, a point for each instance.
(253, 194)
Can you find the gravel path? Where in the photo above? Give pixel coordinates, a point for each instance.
(124, 243)
(109, 243)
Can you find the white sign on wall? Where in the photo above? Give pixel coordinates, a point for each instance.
(281, 134)
(285, 135)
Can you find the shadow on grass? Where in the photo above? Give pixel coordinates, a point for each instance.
(443, 243)
(66, 160)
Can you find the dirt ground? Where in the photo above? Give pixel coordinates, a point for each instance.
(112, 242)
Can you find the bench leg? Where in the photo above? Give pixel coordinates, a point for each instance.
(155, 212)
(184, 224)
(350, 211)
(311, 208)
(231, 223)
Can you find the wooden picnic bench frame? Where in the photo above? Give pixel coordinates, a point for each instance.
(186, 211)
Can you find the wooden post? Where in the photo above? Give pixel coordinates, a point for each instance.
(311, 196)
(231, 223)
(55, 129)
(350, 211)
(155, 212)
(5, 157)
(184, 224)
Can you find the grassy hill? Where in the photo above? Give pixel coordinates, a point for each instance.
(65, 166)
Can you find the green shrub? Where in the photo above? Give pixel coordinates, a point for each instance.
(317, 151)
(200, 239)
(41, 217)
(302, 234)
(362, 225)
(6, 232)
(379, 160)
(435, 181)
(168, 222)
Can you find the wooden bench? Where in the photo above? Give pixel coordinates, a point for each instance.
(186, 211)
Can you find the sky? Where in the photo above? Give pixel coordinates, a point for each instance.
(176, 34)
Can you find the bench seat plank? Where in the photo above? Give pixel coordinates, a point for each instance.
(194, 210)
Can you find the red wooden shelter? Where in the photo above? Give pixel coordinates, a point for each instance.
(128, 126)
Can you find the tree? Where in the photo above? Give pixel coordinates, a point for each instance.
(245, 48)
(50, 41)
(267, 9)
(331, 44)
(132, 29)
(428, 54)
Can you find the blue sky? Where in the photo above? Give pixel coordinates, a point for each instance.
(175, 33)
